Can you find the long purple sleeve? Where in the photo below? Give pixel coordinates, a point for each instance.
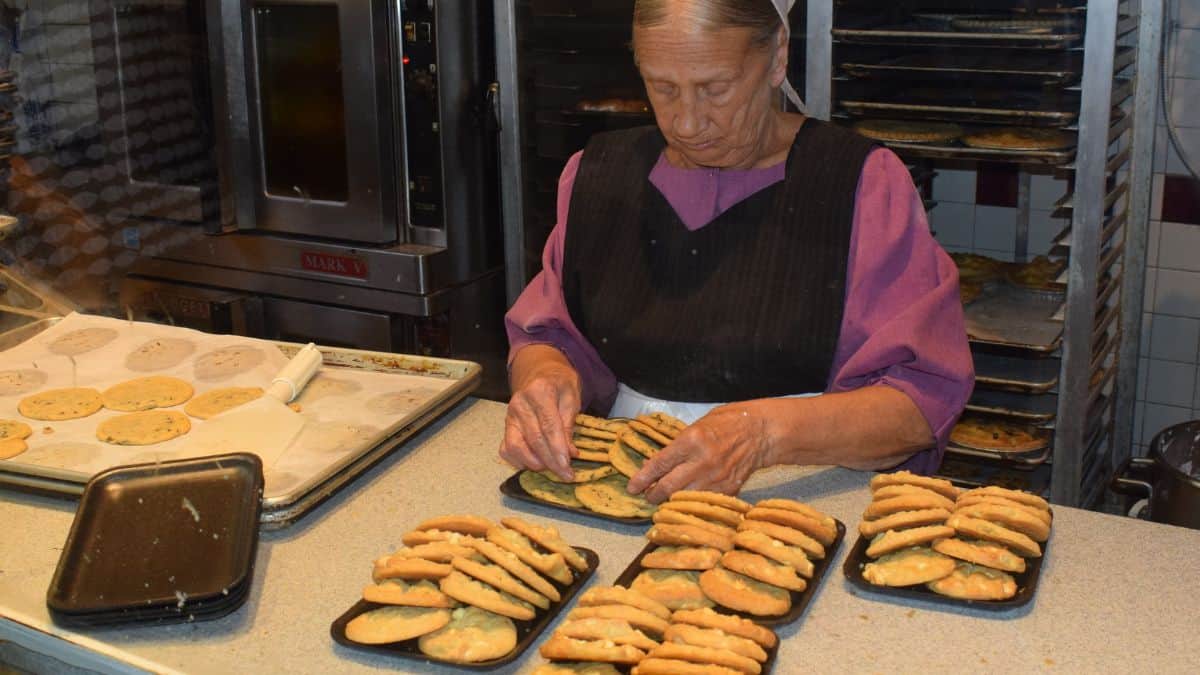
(902, 326)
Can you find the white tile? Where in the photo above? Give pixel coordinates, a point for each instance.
(1162, 146)
(1153, 237)
(1183, 94)
(1158, 417)
(1187, 144)
(1148, 289)
(1045, 190)
(1185, 58)
(1042, 231)
(1179, 247)
(954, 185)
(1147, 332)
(1177, 292)
(995, 227)
(953, 223)
(1143, 373)
(1156, 193)
(1175, 338)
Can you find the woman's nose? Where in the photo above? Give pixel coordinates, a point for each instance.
(688, 118)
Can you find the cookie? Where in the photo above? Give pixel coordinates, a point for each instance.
(542, 488)
(499, 578)
(11, 447)
(715, 498)
(610, 496)
(10, 429)
(939, 485)
(147, 393)
(758, 567)
(662, 427)
(666, 419)
(820, 530)
(216, 401)
(471, 592)
(799, 507)
(974, 528)
(61, 404)
(788, 535)
(1015, 495)
(614, 630)
(513, 565)
(889, 491)
(637, 443)
(476, 526)
(395, 624)
(894, 540)
(418, 537)
(710, 655)
(225, 362)
(604, 651)
(680, 518)
(398, 592)
(619, 595)
(472, 635)
(582, 472)
(885, 507)
(907, 567)
(551, 564)
(903, 520)
(776, 550)
(650, 432)
(575, 668)
(709, 512)
(681, 558)
(675, 589)
(715, 638)
(986, 553)
(968, 500)
(599, 423)
(1009, 516)
(81, 341)
(143, 428)
(588, 455)
(661, 666)
(389, 567)
(548, 538)
(640, 619)
(728, 623)
(625, 460)
(688, 535)
(595, 434)
(437, 551)
(159, 354)
(971, 582)
(743, 594)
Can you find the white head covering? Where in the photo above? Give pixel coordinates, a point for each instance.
(783, 7)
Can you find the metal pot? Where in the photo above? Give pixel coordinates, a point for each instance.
(1169, 477)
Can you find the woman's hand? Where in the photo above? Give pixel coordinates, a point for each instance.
(718, 452)
(541, 413)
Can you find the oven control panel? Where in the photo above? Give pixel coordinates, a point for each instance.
(421, 114)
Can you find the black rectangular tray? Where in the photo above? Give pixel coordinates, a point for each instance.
(179, 536)
(176, 613)
(512, 488)
(1027, 582)
(799, 600)
(527, 631)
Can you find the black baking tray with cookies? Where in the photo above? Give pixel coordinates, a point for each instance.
(156, 543)
(1027, 582)
(512, 488)
(527, 631)
(800, 599)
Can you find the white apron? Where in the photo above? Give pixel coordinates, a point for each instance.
(631, 403)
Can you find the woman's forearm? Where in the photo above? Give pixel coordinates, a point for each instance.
(536, 360)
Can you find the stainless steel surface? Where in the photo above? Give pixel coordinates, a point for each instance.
(1016, 373)
(512, 169)
(819, 59)
(299, 321)
(231, 112)
(1041, 157)
(1007, 316)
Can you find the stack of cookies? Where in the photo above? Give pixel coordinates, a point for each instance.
(961, 544)
(610, 453)
(461, 581)
(616, 625)
(714, 549)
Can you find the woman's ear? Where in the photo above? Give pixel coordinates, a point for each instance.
(779, 58)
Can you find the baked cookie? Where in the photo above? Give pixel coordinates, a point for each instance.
(715, 638)
(799, 507)
(143, 428)
(513, 565)
(499, 578)
(674, 589)
(147, 393)
(974, 528)
(471, 592)
(655, 665)
(728, 623)
(575, 668)
(476, 526)
(968, 500)
(758, 567)
(681, 558)
(638, 443)
(581, 472)
(395, 624)
(61, 404)
(12, 429)
(599, 423)
(549, 564)
(548, 538)
(998, 435)
(216, 401)
(820, 530)
(665, 418)
(1009, 516)
(889, 491)
(472, 635)
(702, 655)
(1015, 495)
(986, 553)
(704, 511)
(975, 268)
(886, 507)
(547, 490)
(743, 594)
(610, 496)
(605, 651)
(688, 535)
(389, 567)
(624, 459)
(907, 567)
(939, 485)
(972, 582)
(599, 435)
(769, 547)
(437, 551)
(716, 498)
(418, 537)
(615, 630)
(11, 447)
(399, 592)
(788, 535)
(894, 540)
(902, 520)
(638, 618)
(663, 427)
(619, 595)
(650, 432)
(667, 516)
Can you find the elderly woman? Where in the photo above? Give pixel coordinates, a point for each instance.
(727, 266)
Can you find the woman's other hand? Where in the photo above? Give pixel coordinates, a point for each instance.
(541, 413)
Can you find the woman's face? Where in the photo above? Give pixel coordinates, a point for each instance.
(712, 91)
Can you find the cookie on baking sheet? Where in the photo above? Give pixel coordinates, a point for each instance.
(663, 428)
(399, 592)
(669, 534)
(820, 530)
(799, 507)
(709, 512)
(675, 589)
(681, 558)
(659, 666)
(902, 520)
(389, 567)
(575, 668)
(594, 434)
(768, 547)
(640, 619)
(581, 472)
(650, 432)
(513, 565)
(499, 578)
(615, 630)
(972, 582)
(547, 490)
(143, 428)
(619, 595)
(767, 571)
(886, 507)
(605, 651)
(624, 459)
(216, 401)
(728, 623)
(1009, 516)
(610, 496)
(472, 635)
(743, 594)
(894, 540)
(667, 419)
(437, 551)
(472, 592)
(634, 441)
(974, 528)
(788, 535)
(709, 655)
(968, 500)
(12, 429)
(550, 564)
(889, 491)
(939, 485)
(1015, 495)
(11, 447)
(547, 537)
(395, 624)
(418, 537)
(476, 526)
(599, 423)
(986, 553)
(147, 393)
(61, 404)
(715, 638)
(907, 567)
(716, 498)
(669, 516)
(592, 449)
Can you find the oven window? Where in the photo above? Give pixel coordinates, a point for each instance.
(302, 113)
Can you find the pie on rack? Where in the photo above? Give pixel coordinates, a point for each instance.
(980, 433)
(1039, 274)
(976, 268)
(1019, 139)
(909, 131)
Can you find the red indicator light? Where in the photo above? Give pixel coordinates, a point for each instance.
(404, 60)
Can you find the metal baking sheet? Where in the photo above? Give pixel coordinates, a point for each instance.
(799, 600)
(1035, 157)
(527, 631)
(1038, 408)
(1038, 68)
(512, 488)
(1030, 458)
(1006, 316)
(1058, 110)
(916, 33)
(1033, 375)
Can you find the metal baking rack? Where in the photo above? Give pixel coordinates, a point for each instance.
(1090, 60)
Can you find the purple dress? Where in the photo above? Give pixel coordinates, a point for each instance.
(903, 323)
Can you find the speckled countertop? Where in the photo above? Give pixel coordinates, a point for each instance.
(1116, 594)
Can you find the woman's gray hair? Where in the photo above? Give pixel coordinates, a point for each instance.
(760, 16)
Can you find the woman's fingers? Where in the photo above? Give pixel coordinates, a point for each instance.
(515, 451)
(536, 432)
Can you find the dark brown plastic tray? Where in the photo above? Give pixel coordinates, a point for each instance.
(173, 539)
(512, 488)
(1027, 582)
(527, 631)
(799, 600)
